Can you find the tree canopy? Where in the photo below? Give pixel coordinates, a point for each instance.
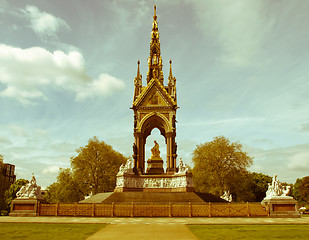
(96, 166)
(301, 191)
(221, 165)
(66, 189)
(93, 170)
(259, 185)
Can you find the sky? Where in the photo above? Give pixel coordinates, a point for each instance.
(67, 72)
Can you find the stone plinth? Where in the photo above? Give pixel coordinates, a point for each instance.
(155, 166)
(24, 207)
(181, 182)
(281, 207)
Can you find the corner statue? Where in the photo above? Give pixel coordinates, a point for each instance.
(31, 190)
(155, 150)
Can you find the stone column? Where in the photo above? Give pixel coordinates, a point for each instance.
(171, 166)
(140, 152)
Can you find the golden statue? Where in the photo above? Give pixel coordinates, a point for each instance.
(155, 150)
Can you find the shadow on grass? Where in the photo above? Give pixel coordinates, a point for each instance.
(232, 232)
(48, 231)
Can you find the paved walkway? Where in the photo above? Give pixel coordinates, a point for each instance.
(161, 221)
(142, 231)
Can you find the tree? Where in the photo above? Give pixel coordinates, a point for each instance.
(259, 186)
(66, 189)
(304, 189)
(10, 194)
(96, 166)
(221, 166)
(301, 191)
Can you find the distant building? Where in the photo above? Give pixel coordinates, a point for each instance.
(8, 172)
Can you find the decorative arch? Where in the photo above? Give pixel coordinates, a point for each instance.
(154, 120)
(145, 126)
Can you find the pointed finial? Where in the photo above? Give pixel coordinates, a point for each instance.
(138, 72)
(155, 13)
(171, 68)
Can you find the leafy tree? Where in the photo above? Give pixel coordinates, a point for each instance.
(66, 189)
(301, 191)
(296, 193)
(96, 166)
(304, 189)
(93, 171)
(221, 165)
(10, 194)
(259, 185)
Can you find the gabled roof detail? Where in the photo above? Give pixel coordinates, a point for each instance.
(152, 88)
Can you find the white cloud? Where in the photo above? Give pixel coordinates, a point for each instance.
(18, 131)
(289, 163)
(239, 27)
(44, 24)
(5, 140)
(51, 169)
(2, 5)
(299, 161)
(105, 84)
(27, 72)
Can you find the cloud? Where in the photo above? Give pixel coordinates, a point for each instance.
(290, 162)
(239, 28)
(105, 85)
(51, 169)
(299, 160)
(227, 122)
(26, 73)
(2, 6)
(304, 127)
(44, 24)
(4, 140)
(18, 131)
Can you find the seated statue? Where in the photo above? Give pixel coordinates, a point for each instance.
(182, 167)
(155, 150)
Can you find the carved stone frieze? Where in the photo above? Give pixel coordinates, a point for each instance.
(177, 181)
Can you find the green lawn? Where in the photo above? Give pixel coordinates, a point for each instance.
(269, 232)
(48, 231)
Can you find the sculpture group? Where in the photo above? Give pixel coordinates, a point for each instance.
(276, 189)
(30, 190)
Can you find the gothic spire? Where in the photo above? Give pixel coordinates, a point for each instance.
(155, 60)
(138, 75)
(171, 74)
(172, 83)
(137, 82)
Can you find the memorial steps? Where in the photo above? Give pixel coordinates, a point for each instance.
(152, 197)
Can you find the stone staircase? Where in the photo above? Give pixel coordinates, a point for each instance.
(154, 197)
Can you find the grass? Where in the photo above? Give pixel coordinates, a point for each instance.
(48, 231)
(231, 232)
